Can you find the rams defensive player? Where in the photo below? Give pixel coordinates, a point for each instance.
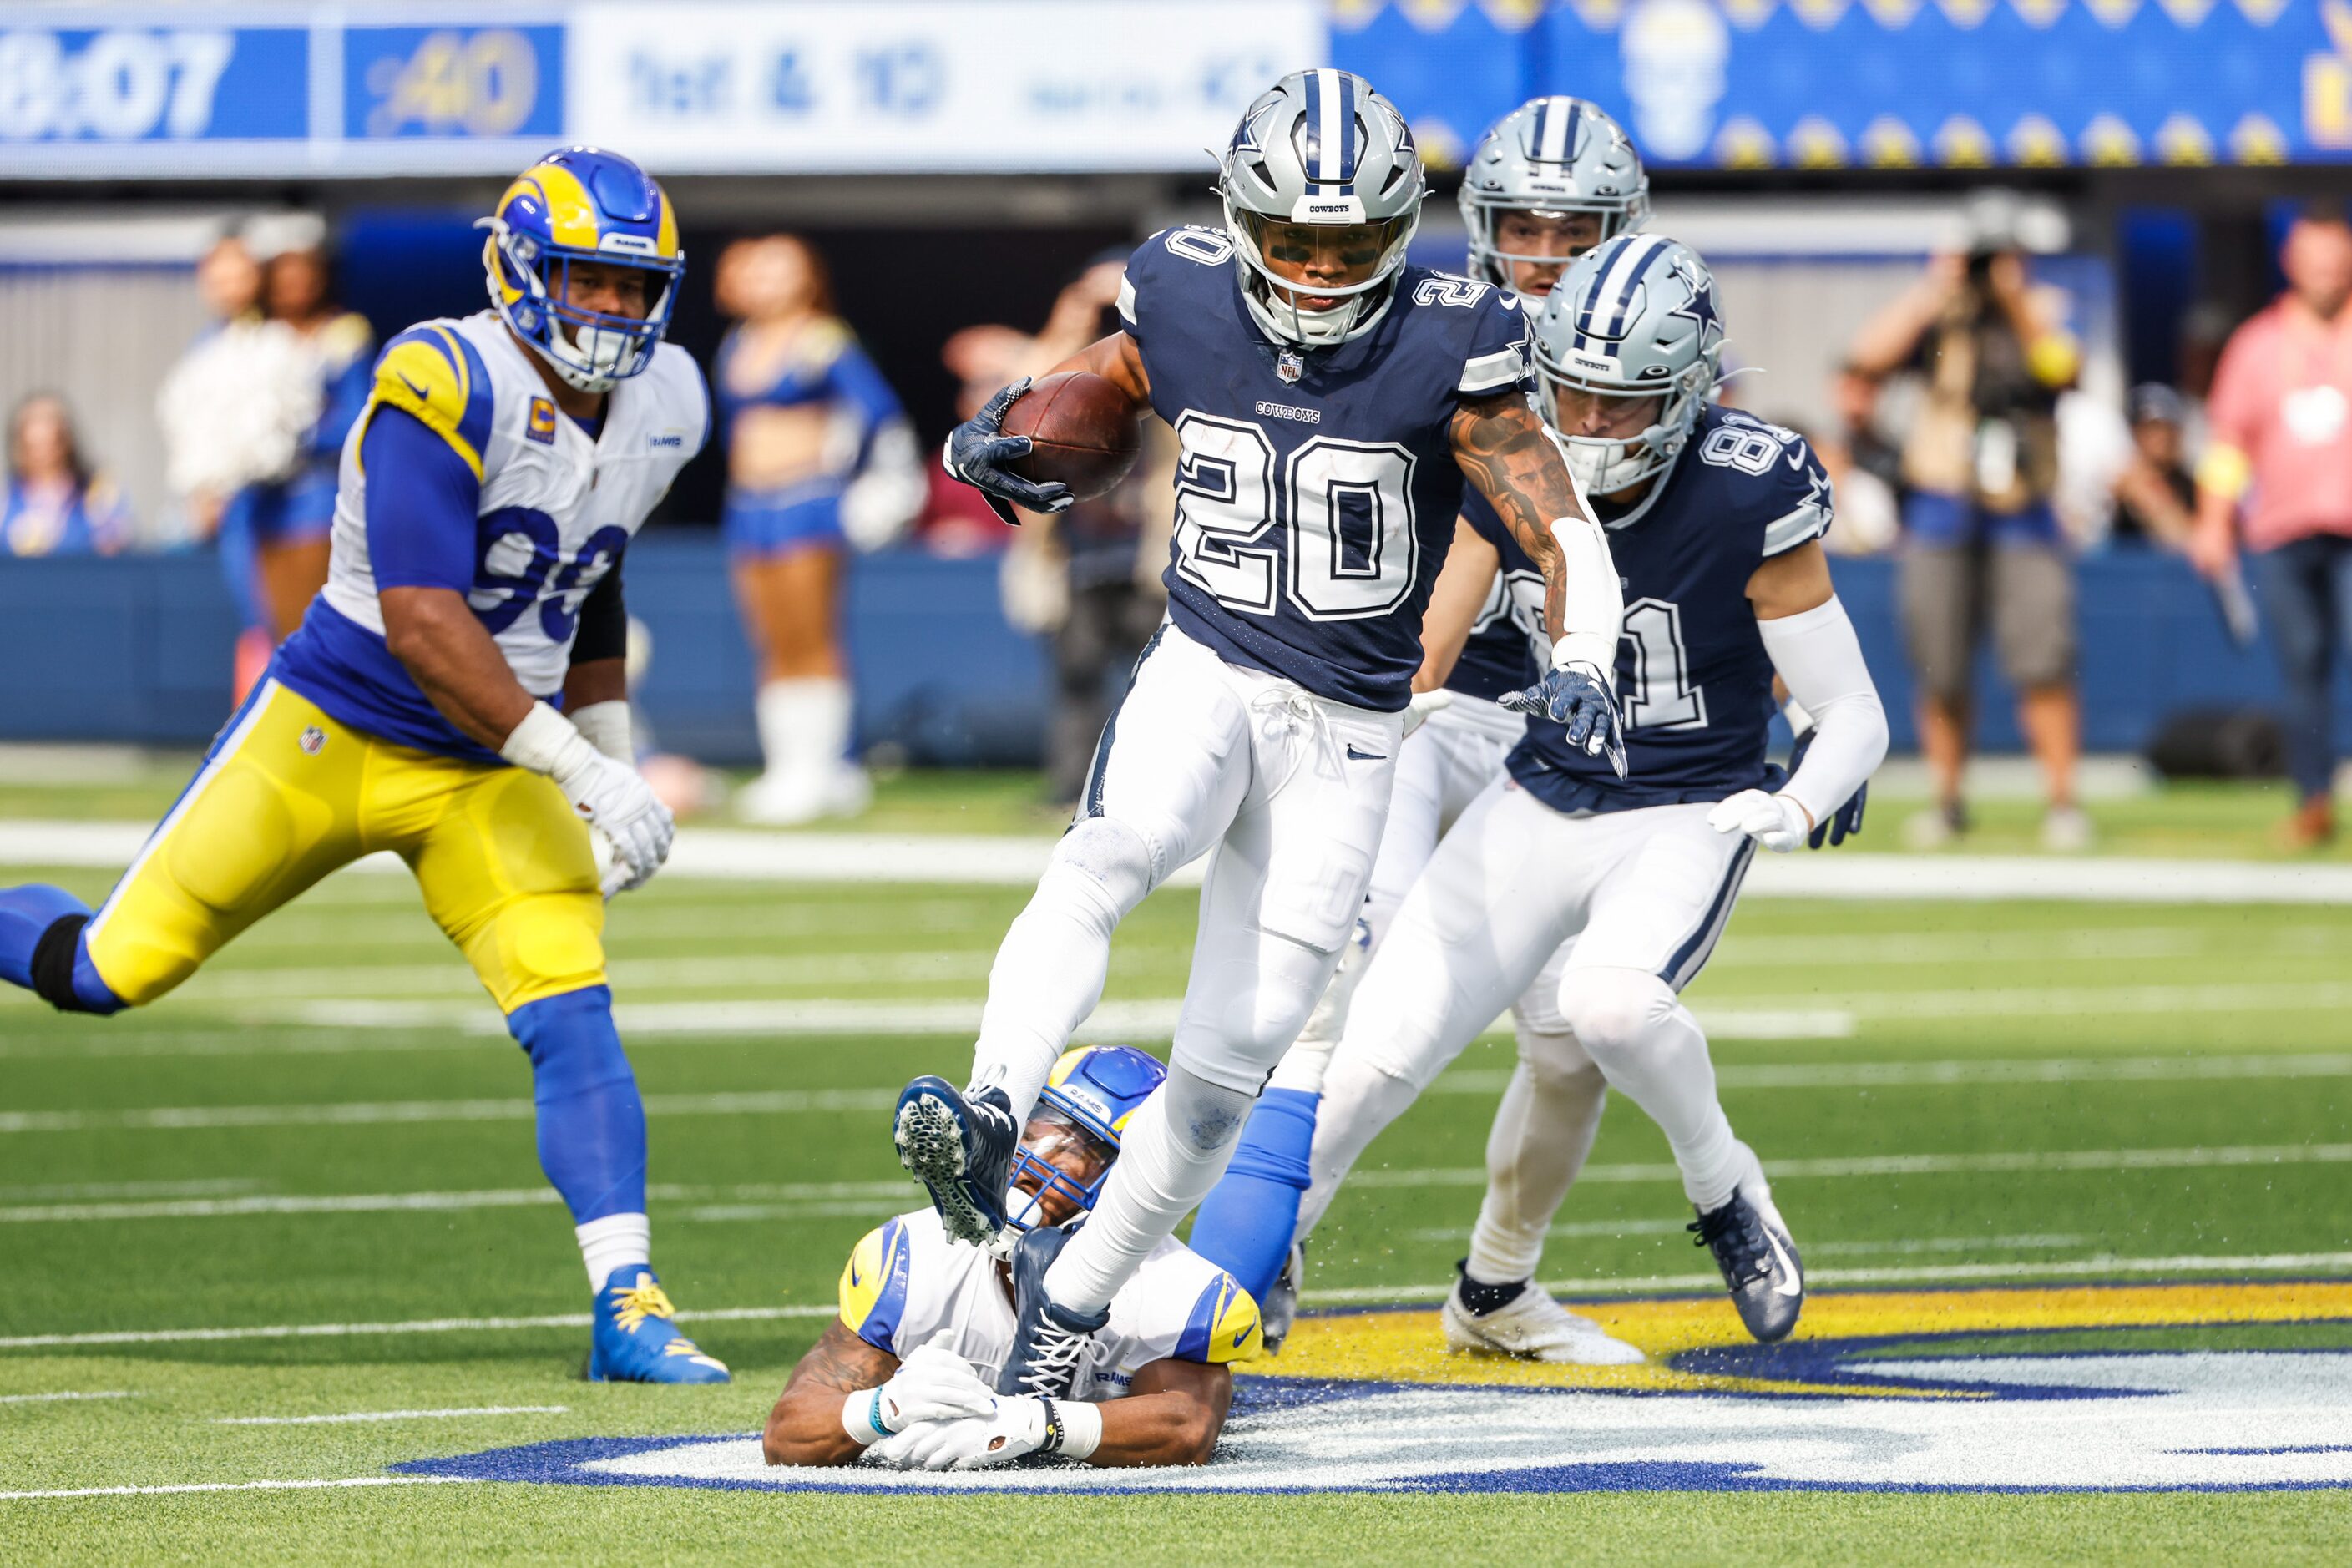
(904, 1373)
(487, 495)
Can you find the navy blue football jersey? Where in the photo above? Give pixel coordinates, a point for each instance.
(1508, 645)
(1317, 488)
(1692, 672)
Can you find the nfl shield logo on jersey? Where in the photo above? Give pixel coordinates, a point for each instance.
(313, 740)
(1290, 367)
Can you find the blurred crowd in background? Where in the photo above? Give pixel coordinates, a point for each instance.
(1960, 435)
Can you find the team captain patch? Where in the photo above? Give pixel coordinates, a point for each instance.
(541, 427)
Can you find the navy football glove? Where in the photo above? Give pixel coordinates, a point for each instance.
(1576, 696)
(977, 450)
(1846, 820)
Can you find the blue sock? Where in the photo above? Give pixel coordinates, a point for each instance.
(592, 1123)
(1245, 1225)
(26, 915)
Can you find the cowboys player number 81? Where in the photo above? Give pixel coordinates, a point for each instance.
(1331, 402)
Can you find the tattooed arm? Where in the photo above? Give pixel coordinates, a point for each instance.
(804, 1428)
(1506, 452)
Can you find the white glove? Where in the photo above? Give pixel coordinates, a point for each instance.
(609, 796)
(932, 1445)
(1774, 821)
(1424, 703)
(933, 1385)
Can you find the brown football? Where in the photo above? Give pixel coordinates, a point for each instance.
(1082, 430)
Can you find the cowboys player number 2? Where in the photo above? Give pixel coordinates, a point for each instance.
(1331, 402)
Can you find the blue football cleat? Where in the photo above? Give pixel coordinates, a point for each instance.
(634, 1337)
(1050, 1343)
(1759, 1261)
(962, 1149)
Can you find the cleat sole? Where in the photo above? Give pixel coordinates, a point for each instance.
(931, 1147)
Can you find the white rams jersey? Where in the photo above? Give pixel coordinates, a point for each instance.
(558, 505)
(908, 1286)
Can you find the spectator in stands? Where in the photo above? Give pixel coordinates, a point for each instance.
(2276, 478)
(819, 457)
(54, 504)
(1981, 542)
(2155, 497)
(198, 407)
(274, 534)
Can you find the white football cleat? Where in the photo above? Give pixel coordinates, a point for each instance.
(1533, 1327)
(1280, 1308)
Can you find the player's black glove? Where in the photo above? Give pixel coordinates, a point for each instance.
(1846, 820)
(977, 450)
(1576, 696)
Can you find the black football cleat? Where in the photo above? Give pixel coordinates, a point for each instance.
(1051, 1344)
(1759, 1261)
(962, 1149)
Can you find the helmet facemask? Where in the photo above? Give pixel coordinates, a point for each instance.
(591, 351)
(1374, 251)
(1640, 431)
(1059, 1159)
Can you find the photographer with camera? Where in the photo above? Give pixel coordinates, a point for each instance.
(1981, 544)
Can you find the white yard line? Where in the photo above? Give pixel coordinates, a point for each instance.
(2011, 1161)
(46, 1398)
(360, 1415)
(361, 1330)
(1994, 1070)
(770, 1103)
(734, 854)
(1925, 1274)
(819, 1200)
(241, 1487)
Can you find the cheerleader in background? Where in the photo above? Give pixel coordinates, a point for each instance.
(819, 457)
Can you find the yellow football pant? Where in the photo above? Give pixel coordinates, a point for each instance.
(288, 795)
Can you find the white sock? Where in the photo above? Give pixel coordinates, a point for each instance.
(1050, 968)
(1172, 1153)
(616, 1241)
(1543, 1132)
(1359, 1100)
(803, 726)
(1637, 1030)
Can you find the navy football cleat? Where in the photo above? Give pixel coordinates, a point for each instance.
(1050, 1343)
(634, 1337)
(962, 1149)
(1759, 1261)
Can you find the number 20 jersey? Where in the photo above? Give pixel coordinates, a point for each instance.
(1316, 488)
(1692, 672)
(558, 508)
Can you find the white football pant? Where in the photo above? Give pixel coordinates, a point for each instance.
(1287, 791)
(1643, 896)
(1442, 768)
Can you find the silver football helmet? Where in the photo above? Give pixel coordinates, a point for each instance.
(1627, 349)
(1550, 156)
(1323, 170)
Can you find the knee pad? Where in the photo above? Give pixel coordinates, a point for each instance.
(1108, 862)
(572, 1045)
(1610, 1011)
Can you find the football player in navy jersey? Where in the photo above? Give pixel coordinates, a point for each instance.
(1545, 184)
(1329, 401)
(1609, 892)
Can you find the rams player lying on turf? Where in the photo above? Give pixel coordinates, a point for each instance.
(906, 1374)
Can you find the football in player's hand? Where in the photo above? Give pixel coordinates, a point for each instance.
(1082, 432)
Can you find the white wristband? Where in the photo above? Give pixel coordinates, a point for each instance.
(861, 1417)
(606, 725)
(1081, 1428)
(547, 743)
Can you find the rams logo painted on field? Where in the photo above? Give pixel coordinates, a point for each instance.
(2095, 1388)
